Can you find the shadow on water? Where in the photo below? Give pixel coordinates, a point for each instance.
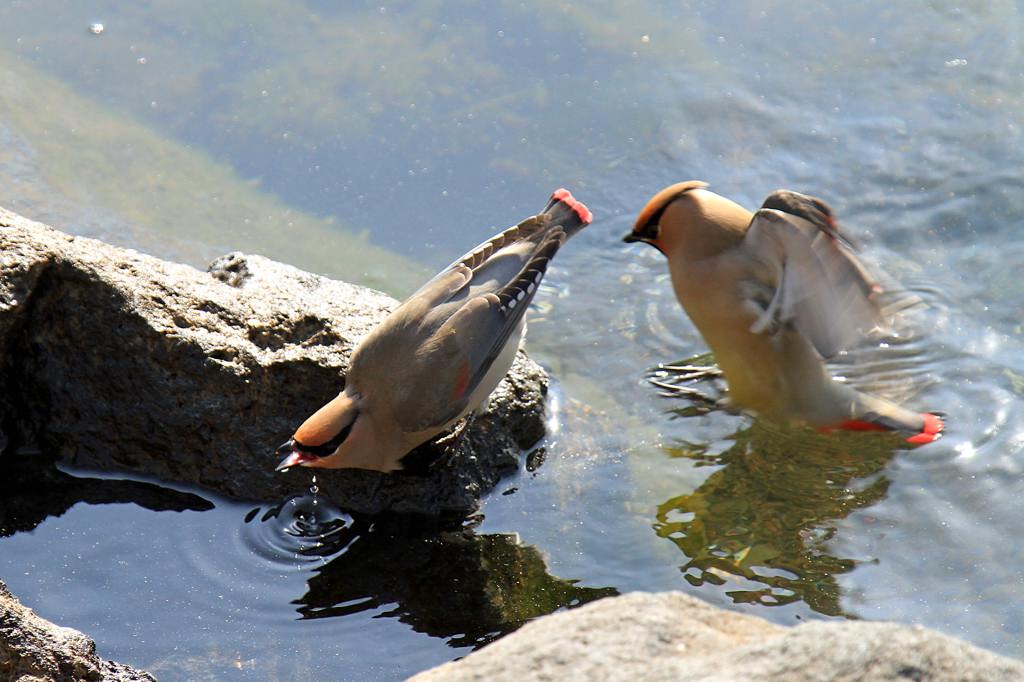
(32, 489)
(441, 580)
(765, 517)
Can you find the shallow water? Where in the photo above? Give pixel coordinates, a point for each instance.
(431, 127)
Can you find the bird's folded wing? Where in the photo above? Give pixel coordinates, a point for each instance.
(478, 256)
(468, 343)
(439, 289)
(816, 282)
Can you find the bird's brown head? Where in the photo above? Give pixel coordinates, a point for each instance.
(648, 226)
(322, 439)
(687, 222)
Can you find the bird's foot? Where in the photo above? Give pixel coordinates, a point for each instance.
(675, 381)
(670, 390)
(425, 458)
(452, 440)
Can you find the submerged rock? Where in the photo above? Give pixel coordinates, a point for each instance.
(114, 360)
(671, 636)
(32, 648)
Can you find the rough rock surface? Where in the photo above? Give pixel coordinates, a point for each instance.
(34, 649)
(114, 360)
(671, 636)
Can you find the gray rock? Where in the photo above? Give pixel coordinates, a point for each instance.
(114, 360)
(34, 649)
(671, 636)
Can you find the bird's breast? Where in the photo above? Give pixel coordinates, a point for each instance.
(710, 293)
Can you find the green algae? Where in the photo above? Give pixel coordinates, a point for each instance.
(172, 199)
(321, 79)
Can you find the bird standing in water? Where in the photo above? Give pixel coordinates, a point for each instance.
(438, 356)
(774, 294)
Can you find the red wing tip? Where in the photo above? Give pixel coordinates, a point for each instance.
(578, 207)
(932, 430)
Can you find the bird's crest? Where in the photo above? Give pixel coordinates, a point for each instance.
(656, 206)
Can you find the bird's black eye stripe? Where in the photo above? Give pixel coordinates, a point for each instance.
(651, 228)
(330, 446)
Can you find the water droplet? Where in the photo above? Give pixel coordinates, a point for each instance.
(501, 34)
(645, 39)
(96, 28)
(141, 60)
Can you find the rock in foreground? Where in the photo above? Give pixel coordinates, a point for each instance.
(32, 648)
(114, 360)
(671, 636)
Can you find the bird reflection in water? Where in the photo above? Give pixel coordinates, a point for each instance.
(760, 525)
(439, 577)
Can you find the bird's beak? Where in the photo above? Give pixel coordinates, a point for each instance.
(632, 237)
(293, 457)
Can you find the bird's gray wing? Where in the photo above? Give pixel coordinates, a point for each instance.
(811, 280)
(469, 341)
(444, 284)
(485, 269)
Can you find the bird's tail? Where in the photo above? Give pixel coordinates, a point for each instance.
(875, 414)
(566, 210)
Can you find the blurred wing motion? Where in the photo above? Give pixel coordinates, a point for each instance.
(808, 276)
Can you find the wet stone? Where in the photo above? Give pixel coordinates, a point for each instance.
(114, 360)
(671, 636)
(32, 648)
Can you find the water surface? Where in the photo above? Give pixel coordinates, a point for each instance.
(309, 132)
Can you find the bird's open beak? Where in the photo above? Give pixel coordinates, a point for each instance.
(293, 457)
(632, 237)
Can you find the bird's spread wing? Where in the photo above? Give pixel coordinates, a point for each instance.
(810, 278)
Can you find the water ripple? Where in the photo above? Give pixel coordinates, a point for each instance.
(305, 531)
